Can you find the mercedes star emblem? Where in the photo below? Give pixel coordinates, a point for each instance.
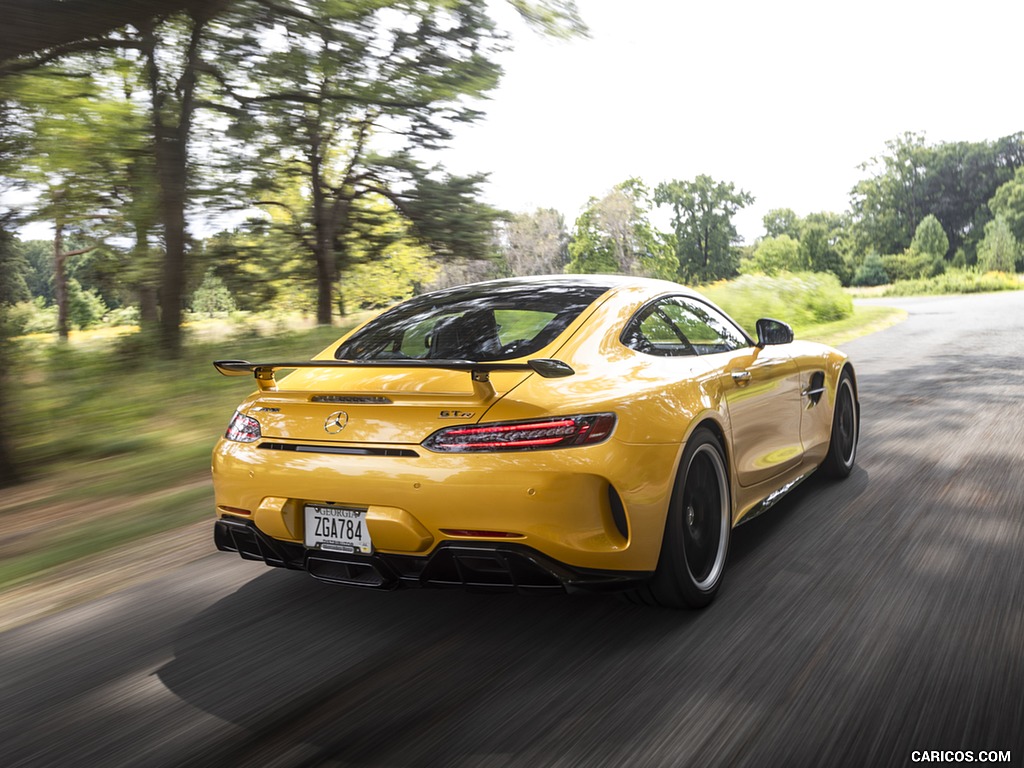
(335, 422)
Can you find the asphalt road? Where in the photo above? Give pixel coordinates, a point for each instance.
(860, 622)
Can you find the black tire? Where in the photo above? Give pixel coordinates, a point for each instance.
(842, 445)
(697, 530)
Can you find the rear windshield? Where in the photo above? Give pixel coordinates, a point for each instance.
(477, 323)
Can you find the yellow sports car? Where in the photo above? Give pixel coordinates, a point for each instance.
(545, 433)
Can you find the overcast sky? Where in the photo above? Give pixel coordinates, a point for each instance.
(784, 98)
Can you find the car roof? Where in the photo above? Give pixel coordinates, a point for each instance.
(602, 281)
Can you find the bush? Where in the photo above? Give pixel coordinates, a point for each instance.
(34, 316)
(212, 297)
(908, 265)
(999, 250)
(871, 272)
(803, 298)
(122, 316)
(956, 281)
(774, 255)
(85, 307)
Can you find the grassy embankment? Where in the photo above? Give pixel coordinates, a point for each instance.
(117, 444)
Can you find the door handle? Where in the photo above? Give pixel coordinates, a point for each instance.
(741, 377)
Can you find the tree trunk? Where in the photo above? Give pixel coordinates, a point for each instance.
(171, 171)
(171, 130)
(9, 474)
(149, 313)
(324, 234)
(60, 282)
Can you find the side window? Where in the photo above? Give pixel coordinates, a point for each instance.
(708, 330)
(676, 326)
(652, 332)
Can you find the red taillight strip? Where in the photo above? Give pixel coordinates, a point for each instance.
(514, 443)
(559, 432)
(560, 424)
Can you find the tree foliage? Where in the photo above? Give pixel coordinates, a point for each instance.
(871, 272)
(930, 239)
(999, 250)
(774, 255)
(614, 235)
(339, 106)
(1008, 202)
(823, 238)
(536, 243)
(952, 181)
(84, 138)
(702, 212)
(319, 80)
(781, 221)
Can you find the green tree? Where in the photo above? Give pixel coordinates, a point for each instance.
(614, 235)
(212, 296)
(346, 104)
(953, 181)
(702, 212)
(776, 254)
(930, 238)
(781, 221)
(85, 307)
(390, 61)
(74, 162)
(821, 238)
(1008, 202)
(387, 263)
(999, 250)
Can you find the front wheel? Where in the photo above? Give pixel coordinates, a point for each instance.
(696, 541)
(842, 446)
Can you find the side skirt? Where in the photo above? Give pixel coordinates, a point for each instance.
(773, 498)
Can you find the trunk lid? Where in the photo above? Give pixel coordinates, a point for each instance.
(374, 406)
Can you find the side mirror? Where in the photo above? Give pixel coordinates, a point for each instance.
(773, 332)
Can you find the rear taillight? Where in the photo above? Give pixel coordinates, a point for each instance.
(243, 429)
(538, 434)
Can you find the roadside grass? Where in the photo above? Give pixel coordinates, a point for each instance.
(952, 281)
(956, 281)
(864, 320)
(116, 440)
(58, 544)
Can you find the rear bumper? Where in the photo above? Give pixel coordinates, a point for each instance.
(472, 565)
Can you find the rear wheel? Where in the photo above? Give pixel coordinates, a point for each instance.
(842, 446)
(696, 541)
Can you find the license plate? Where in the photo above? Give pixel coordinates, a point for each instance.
(337, 529)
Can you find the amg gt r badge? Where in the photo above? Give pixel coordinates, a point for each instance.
(336, 422)
(455, 415)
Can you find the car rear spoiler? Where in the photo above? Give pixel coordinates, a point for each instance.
(479, 372)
